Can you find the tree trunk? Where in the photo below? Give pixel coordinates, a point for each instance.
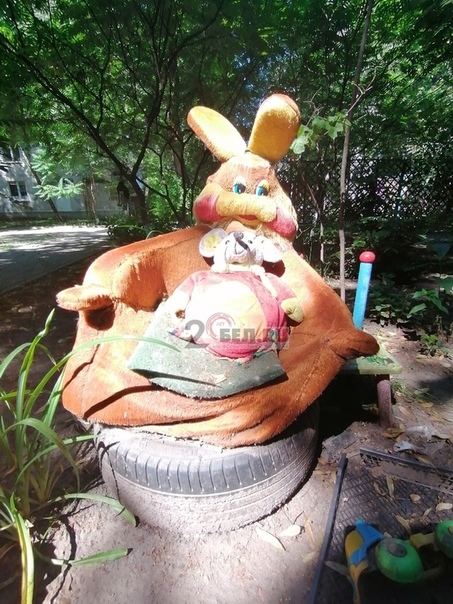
(140, 200)
(345, 154)
(93, 196)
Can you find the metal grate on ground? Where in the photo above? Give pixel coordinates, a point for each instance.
(385, 491)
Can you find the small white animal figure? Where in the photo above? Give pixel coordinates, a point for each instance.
(238, 251)
(203, 294)
(246, 251)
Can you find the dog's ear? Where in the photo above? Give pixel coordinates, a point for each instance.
(270, 251)
(217, 133)
(209, 242)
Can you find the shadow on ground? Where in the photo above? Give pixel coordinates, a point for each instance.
(243, 566)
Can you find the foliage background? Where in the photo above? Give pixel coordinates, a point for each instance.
(106, 89)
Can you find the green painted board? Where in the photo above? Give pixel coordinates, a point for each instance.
(192, 370)
(381, 363)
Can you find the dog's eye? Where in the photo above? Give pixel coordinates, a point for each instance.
(262, 188)
(239, 187)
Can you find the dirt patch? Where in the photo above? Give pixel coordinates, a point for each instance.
(24, 312)
(245, 565)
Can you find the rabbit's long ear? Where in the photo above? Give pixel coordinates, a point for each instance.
(218, 134)
(275, 127)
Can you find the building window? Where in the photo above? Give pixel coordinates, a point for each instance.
(18, 190)
(10, 154)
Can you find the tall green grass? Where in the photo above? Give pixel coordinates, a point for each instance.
(34, 458)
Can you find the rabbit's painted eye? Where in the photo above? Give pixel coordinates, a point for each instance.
(239, 187)
(262, 188)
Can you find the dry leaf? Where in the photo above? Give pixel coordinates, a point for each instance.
(440, 507)
(446, 417)
(390, 486)
(392, 432)
(291, 531)
(378, 489)
(339, 568)
(377, 471)
(309, 533)
(426, 512)
(322, 472)
(405, 412)
(414, 498)
(404, 523)
(269, 538)
(433, 413)
(323, 462)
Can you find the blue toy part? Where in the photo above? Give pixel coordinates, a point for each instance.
(370, 536)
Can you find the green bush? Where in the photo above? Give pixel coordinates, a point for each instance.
(125, 229)
(403, 246)
(427, 310)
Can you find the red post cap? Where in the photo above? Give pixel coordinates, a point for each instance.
(367, 257)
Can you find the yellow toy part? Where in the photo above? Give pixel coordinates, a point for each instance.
(353, 542)
(293, 309)
(210, 242)
(276, 124)
(217, 133)
(274, 129)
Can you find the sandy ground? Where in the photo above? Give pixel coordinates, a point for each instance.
(247, 565)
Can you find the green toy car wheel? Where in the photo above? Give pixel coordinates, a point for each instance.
(398, 560)
(443, 537)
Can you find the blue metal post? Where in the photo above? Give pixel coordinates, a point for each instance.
(363, 284)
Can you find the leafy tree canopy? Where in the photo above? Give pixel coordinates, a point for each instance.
(109, 86)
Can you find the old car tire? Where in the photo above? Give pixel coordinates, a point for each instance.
(185, 485)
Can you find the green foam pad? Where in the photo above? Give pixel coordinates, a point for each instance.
(190, 369)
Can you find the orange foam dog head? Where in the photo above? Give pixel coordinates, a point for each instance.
(245, 188)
